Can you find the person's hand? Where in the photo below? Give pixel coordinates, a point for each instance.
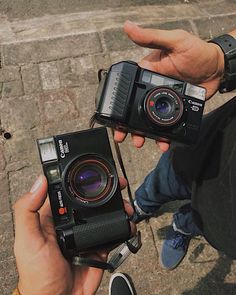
(42, 268)
(180, 55)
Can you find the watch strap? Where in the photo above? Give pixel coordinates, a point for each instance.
(228, 45)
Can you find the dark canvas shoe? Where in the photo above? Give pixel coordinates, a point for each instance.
(121, 284)
(174, 248)
(139, 214)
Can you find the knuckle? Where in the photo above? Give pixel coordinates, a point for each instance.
(181, 32)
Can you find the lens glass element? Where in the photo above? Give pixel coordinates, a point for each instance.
(163, 106)
(90, 179)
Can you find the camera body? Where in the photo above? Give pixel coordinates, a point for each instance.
(136, 100)
(84, 191)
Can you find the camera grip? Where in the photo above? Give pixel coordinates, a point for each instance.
(113, 227)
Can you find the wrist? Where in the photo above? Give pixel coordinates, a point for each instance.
(22, 288)
(220, 59)
(24, 291)
(227, 44)
(19, 289)
(16, 292)
(233, 34)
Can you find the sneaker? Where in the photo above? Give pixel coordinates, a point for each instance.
(174, 248)
(121, 284)
(139, 215)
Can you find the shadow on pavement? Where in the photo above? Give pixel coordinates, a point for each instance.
(213, 283)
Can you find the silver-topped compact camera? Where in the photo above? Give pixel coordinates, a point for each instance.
(136, 100)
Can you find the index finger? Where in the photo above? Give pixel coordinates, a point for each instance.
(154, 38)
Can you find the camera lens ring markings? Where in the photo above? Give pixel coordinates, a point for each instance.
(100, 181)
(163, 106)
(87, 171)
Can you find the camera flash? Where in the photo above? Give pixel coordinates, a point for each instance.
(195, 91)
(47, 149)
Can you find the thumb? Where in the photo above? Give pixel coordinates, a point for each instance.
(27, 221)
(154, 38)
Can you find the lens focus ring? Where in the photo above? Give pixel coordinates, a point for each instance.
(90, 180)
(163, 106)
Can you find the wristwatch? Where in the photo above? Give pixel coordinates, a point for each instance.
(228, 45)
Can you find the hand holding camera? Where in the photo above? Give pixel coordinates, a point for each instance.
(41, 266)
(84, 192)
(178, 54)
(139, 101)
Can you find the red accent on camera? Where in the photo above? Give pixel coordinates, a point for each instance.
(62, 210)
(151, 103)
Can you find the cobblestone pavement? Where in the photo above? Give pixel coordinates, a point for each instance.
(50, 55)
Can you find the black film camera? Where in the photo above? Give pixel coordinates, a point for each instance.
(84, 191)
(143, 102)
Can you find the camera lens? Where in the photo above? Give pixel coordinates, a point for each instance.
(90, 180)
(163, 106)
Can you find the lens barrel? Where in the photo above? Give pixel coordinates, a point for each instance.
(163, 106)
(90, 180)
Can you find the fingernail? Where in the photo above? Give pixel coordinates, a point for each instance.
(37, 184)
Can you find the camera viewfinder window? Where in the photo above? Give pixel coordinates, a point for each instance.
(146, 77)
(158, 80)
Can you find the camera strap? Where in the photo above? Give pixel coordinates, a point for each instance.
(120, 254)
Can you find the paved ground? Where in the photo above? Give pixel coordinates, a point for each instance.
(49, 58)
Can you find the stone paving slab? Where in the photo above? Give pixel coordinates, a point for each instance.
(9, 280)
(142, 267)
(48, 50)
(34, 40)
(78, 23)
(48, 82)
(16, 10)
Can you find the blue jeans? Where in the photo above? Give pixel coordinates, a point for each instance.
(162, 185)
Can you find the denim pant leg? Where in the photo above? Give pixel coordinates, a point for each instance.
(162, 185)
(184, 223)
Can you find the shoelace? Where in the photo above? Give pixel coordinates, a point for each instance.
(179, 241)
